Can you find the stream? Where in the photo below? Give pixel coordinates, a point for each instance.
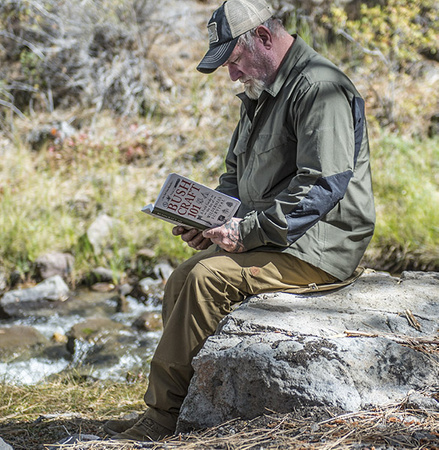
(115, 343)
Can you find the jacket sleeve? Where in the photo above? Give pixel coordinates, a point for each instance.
(328, 122)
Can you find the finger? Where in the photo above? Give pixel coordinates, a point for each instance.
(196, 240)
(189, 235)
(176, 231)
(205, 243)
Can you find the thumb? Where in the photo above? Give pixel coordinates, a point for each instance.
(207, 233)
(211, 232)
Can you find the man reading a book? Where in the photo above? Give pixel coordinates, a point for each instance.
(299, 162)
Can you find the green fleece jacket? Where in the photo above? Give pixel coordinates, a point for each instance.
(299, 162)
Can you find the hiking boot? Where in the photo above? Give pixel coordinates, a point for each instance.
(145, 429)
(115, 426)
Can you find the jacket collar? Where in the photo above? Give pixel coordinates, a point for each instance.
(291, 63)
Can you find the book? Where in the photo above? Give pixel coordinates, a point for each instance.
(185, 202)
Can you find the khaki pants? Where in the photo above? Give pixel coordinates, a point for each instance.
(198, 294)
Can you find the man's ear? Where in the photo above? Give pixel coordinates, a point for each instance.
(264, 34)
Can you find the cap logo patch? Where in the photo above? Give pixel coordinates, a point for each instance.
(213, 33)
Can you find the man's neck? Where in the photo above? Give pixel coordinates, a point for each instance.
(283, 45)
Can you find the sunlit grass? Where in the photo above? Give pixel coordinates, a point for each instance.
(103, 399)
(406, 186)
(50, 198)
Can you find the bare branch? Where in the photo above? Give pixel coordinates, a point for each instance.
(24, 42)
(363, 49)
(13, 108)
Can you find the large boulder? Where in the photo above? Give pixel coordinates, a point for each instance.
(4, 445)
(368, 344)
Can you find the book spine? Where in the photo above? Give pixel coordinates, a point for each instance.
(178, 219)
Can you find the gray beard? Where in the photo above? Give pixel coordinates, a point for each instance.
(254, 89)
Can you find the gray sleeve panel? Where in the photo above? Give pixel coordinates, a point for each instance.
(359, 117)
(322, 197)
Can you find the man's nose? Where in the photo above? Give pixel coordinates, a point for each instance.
(234, 73)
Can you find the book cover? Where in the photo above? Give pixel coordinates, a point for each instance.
(182, 201)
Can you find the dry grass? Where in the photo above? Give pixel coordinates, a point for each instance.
(32, 417)
(397, 426)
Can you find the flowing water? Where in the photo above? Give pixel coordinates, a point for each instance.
(100, 360)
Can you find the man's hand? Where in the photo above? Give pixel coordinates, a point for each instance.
(227, 236)
(193, 237)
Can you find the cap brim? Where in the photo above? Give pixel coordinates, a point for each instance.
(216, 56)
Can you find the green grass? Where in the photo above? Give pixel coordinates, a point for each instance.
(406, 187)
(50, 197)
(47, 204)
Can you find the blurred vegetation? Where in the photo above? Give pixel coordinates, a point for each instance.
(99, 100)
(392, 40)
(91, 54)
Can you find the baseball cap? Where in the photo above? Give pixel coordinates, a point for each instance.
(228, 22)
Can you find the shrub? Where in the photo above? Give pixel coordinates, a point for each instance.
(61, 54)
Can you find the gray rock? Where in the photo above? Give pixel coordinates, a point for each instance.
(125, 289)
(99, 232)
(349, 349)
(95, 331)
(4, 445)
(3, 280)
(100, 347)
(55, 263)
(17, 339)
(419, 401)
(146, 254)
(18, 301)
(163, 270)
(148, 285)
(149, 321)
(150, 290)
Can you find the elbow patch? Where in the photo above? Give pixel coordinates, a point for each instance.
(322, 197)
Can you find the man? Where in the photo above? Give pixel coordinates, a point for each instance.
(299, 162)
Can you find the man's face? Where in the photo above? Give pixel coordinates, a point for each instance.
(255, 69)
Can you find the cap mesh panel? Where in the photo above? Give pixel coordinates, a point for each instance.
(244, 15)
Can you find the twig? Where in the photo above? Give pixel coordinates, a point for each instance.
(363, 49)
(13, 108)
(22, 41)
(400, 339)
(412, 320)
